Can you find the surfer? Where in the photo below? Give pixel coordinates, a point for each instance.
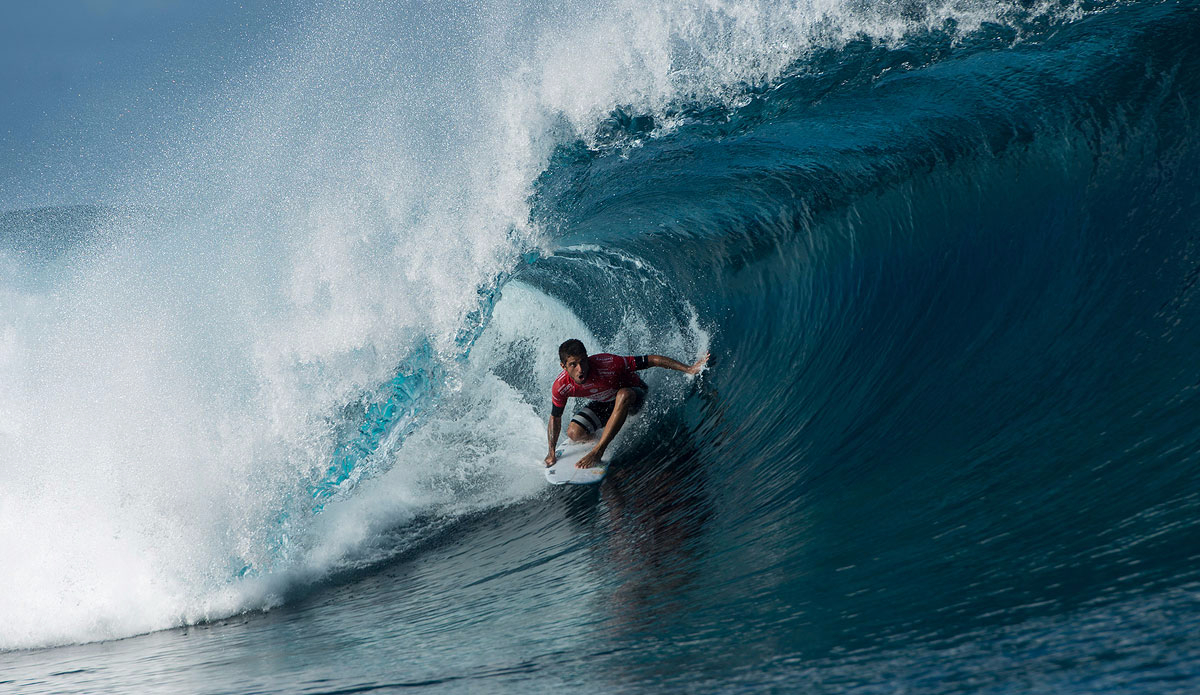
(613, 387)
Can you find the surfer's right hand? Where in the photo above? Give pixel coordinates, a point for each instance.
(551, 458)
(698, 366)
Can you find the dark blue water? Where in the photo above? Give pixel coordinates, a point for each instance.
(948, 441)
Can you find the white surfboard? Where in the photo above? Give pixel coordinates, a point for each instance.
(564, 472)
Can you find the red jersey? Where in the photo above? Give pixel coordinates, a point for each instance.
(607, 374)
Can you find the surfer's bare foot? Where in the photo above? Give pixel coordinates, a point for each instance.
(589, 460)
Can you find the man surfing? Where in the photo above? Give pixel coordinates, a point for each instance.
(613, 387)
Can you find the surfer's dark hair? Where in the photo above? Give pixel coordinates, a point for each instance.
(571, 348)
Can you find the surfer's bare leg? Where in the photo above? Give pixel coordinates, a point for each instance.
(577, 433)
(625, 398)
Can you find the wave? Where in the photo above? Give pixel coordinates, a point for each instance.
(332, 321)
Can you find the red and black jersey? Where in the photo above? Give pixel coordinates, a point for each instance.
(607, 374)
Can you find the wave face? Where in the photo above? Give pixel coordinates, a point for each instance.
(944, 257)
(950, 283)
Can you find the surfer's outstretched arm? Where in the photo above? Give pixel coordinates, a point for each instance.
(552, 431)
(667, 362)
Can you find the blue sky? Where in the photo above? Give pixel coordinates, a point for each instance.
(91, 86)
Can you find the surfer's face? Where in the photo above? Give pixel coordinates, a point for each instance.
(577, 368)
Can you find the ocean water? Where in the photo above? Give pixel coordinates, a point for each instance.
(275, 356)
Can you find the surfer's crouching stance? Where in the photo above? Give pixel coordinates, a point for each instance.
(613, 387)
